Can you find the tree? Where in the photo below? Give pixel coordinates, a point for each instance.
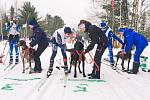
(27, 12)
(58, 22)
(12, 13)
(50, 24)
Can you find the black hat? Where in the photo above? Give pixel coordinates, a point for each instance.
(33, 22)
(67, 30)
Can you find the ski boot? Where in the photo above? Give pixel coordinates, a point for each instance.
(16, 60)
(135, 68)
(11, 60)
(92, 73)
(65, 69)
(95, 76)
(49, 72)
(112, 66)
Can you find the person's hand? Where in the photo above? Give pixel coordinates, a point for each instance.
(84, 52)
(1, 56)
(123, 53)
(29, 46)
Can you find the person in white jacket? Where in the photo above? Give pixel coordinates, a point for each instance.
(59, 40)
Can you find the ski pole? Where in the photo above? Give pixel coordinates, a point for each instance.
(29, 58)
(3, 52)
(4, 48)
(5, 58)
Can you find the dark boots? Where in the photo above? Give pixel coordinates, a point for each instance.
(135, 68)
(11, 59)
(96, 75)
(17, 60)
(49, 72)
(92, 73)
(65, 69)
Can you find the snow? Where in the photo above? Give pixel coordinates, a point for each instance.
(16, 85)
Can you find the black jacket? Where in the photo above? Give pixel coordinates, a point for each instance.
(38, 37)
(97, 37)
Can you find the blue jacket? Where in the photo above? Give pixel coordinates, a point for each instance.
(38, 37)
(110, 34)
(133, 38)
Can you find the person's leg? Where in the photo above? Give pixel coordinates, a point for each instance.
(98, 55)
(110, 48)
(37, 55)
(11, 52)
(136, 63)
(64, 58)
(54, 52)
(17, 53)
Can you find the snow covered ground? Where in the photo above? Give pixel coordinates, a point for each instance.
(15, 85)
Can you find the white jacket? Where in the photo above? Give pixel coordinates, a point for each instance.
(62, 34)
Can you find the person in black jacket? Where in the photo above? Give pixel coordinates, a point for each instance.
(39, 38)
(97, 37)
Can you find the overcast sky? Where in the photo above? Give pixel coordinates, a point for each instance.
(71, 11)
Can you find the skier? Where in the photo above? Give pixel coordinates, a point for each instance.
(132, 38)
(97, 37)
(108, 32)
(59, 40)
(38, 37)
(13, 28)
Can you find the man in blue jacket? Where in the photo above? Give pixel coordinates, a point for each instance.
(138, 40)
(39, 37)
(108, 32)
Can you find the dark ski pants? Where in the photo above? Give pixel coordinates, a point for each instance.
(54, 52)
(37, 55)
(97, 58)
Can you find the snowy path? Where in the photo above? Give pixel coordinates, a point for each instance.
(15, 85)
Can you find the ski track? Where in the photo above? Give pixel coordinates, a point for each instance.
(121, 86)
(129, 89)
(38, 94)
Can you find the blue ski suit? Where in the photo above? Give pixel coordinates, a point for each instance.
(108, 32)
(13, 30)
(132, 38)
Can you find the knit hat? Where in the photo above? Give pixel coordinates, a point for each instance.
(121, 30)
(67, 30)
(103, 25)
(33, 22)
